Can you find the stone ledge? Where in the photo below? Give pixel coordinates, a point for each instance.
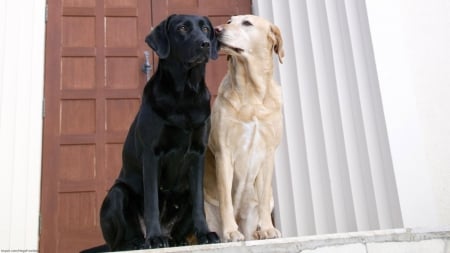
(420, 240)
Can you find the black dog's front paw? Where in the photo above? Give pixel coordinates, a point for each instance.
(156, 242)
(210, 237)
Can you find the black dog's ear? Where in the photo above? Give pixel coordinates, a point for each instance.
(214, 54)
(158, 39)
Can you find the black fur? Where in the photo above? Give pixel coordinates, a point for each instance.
(160, 183)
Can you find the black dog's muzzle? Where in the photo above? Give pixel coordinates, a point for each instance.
(202, 53)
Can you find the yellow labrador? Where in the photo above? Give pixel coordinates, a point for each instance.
(246, 128)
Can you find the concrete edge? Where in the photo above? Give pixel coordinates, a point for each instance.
(317, 241)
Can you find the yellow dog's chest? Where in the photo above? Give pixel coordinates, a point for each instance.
(254, 128)
(250, 141)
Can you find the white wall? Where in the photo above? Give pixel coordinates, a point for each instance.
(412, 49)
(22, 33)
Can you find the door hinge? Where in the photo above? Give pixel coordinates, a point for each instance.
(43, 108)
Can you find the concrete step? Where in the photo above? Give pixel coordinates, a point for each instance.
(381, 241)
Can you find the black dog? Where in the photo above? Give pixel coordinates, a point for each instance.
(157, 200)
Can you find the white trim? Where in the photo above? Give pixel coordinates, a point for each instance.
(22, 38)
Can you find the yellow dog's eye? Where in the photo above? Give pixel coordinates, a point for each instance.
(182, 28)
(229, 21)
(247, 23)
(205, 29)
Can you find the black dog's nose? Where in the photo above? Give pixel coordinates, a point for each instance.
(205, 44)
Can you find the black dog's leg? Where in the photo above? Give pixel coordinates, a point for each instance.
(201, 229)
(119, 219)
(154, 237)
(196, 185)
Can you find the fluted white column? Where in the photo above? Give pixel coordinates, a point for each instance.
(333, 171)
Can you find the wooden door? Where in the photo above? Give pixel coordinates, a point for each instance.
(93, 84)
(92, 92)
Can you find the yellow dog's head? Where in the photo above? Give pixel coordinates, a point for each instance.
(250, 36)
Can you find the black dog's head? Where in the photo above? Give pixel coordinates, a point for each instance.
(186, 38)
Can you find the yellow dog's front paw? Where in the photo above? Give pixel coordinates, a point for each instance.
(270, 233)
(233, 236)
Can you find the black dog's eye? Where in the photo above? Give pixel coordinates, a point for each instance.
(182, 28)
(205, 29)
(247, 23)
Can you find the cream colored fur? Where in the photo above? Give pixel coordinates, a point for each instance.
(246, 128)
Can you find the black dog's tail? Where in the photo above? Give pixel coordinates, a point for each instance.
(98, 249)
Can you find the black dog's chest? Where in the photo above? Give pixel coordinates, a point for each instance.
(184, 112)
(189, 119)
(182, 103)
(178, 150)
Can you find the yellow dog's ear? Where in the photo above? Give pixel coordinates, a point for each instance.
(277, 42)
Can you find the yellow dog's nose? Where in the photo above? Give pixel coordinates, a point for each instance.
(218, 29)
